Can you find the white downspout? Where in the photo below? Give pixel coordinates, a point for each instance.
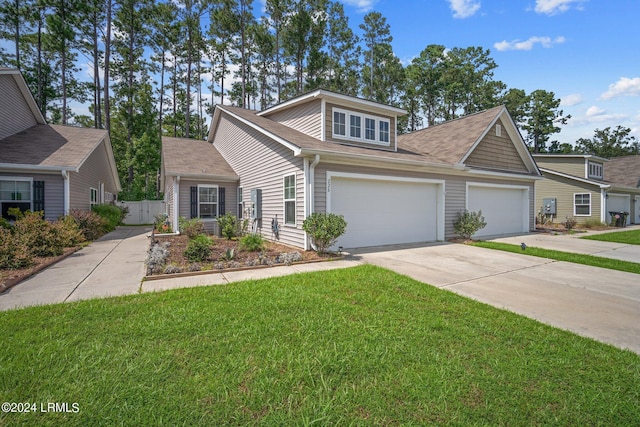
(67, 192)
(176, 204)
(603, 206)
(311, 186)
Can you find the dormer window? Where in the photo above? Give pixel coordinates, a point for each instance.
(361, 127)
(595, 170)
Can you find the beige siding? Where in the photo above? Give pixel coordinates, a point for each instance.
(306, 118)
(455, 189)
(230, 200)
(168, 196)
(571, 166)
(563, 190)
(329, 128)
(265, 169)
(93, 171)
(496, 152)
(15, 114)
(53, 192)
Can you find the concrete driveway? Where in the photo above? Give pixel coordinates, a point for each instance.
(593, 302)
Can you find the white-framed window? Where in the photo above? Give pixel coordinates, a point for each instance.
(339, 123)
(360, 127)
(289, 199)
(240, 203)
(582, 204)
(207, 201)
(93, 197)
(595, 170)
(15, 193)
(498, 130)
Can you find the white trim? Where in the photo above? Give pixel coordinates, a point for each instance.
(323, 120)
(574, 204)
(595, 166)
(217, 212)
(22, 179)
(285, 200)
(526, 199)
(575, 178)
(176, 203)
(92, 203)
(512, 175)
(363, 120)
(67, 192)
(603, 205)
(36, 168)
(440, 210)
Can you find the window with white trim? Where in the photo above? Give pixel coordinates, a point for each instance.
(240, 203)
(207, 201)
(15, 193)
(595, 170)
(582, 204)
(93, 197)
(360, 127)
(290, 199)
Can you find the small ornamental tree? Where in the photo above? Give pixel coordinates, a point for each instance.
(324, 229)
(468, 223)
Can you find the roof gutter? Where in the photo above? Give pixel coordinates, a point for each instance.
(26, 167)
(229, 178)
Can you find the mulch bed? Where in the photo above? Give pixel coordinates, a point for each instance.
(10, 278)
(217, 261)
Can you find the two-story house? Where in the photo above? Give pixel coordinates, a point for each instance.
(587, 188)
(49, 168)
(326, 152)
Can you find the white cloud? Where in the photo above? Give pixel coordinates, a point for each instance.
(361, 5)
(464, 8)
(595, 111)
(571, 100)
(624, 86)
(529, 44)
(553, 7)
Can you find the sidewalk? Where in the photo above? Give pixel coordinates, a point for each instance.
(112, 265)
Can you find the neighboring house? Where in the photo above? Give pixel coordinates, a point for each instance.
(588, 187)
(45, 167)
(325, 152)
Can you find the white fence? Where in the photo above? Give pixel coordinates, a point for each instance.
(143, 211)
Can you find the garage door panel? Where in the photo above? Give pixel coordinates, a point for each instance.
(382, 212)
(618, 203)
(502, 207)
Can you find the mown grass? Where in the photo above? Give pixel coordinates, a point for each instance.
(631, 237)
(595, 261)
(361, 346)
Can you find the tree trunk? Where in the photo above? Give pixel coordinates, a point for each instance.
(107, 56)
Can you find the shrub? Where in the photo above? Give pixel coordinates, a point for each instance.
(324, 229)
(162, 224)
(38, 234)
(569, 222)
(198, 248)
(4, 223)
(112, 214)
(13, 254)
(69, 231)
(90, 223)
(191, 227)
(594, 224)
(228, 224)
(468, 223)
(252, 242)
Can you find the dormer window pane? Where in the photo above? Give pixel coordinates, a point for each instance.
(595, 170)
(356, 126)
(370, 129)
(339, 123)
(384, 131)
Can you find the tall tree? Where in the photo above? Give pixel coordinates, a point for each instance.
(107, 65)
(426, 74)
(277, 12)
(609, 143)
(543, 118)
(342, 48)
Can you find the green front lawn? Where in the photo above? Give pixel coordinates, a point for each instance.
(595, 261)
(631, 237)
(361, 346)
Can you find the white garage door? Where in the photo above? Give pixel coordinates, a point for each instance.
(618, 203)
(384, 212)
(505, 209)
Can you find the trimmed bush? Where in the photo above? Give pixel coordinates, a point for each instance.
(13, 254)
(91, 224)
(69, 231)
(112, 214)
(38, 234)
(252, 242)
(324, 229)
(190, 227)
(468, 223)
(228, 224)
(198, 248)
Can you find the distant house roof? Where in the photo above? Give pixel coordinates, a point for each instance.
(192, 158)
(51, 147)
(599, 184)
(623, 170)
(570, 156)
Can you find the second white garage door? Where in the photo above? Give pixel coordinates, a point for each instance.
(505, 208)
(384, 210)
(618, 203)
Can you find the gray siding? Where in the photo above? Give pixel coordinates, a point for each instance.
(563, 190)
(571, 166)
(94, 171)
(231, 200)
(264, 168)
(168, 197)
(496, 152)
(306, 118)
(53, 192)
(455, 189)
(15, 114)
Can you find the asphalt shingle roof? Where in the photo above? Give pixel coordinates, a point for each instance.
(182, 156)
(623, 170)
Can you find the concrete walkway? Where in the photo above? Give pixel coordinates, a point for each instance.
(112, 265)
(593, 302)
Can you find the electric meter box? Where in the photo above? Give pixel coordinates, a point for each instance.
(549, 206)
(256, 203)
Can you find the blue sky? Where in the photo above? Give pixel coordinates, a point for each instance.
(584, 51)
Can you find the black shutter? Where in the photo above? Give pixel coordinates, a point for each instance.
(194, 202)
(38, 196)
(221, 202)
